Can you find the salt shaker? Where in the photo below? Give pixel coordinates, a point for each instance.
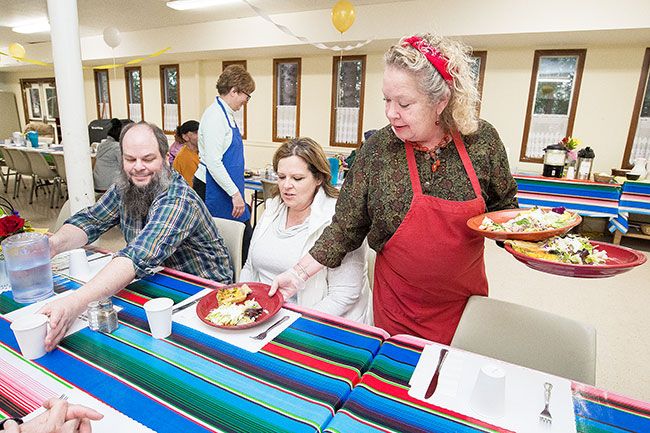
(101, 316)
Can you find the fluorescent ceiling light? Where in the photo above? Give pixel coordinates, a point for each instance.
(183, 5)
(39, 26)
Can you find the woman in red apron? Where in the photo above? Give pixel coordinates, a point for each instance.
(411, 190)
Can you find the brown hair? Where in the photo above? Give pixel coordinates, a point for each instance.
(235, 76)
(312, 153)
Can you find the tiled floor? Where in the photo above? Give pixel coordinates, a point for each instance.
(617, 307)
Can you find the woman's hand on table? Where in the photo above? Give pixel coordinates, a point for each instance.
(238, 205)
(62, 313)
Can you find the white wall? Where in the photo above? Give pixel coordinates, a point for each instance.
(604, 111)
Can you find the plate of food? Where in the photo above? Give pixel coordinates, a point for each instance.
(238, 306)
(534, 224)
(575, 256)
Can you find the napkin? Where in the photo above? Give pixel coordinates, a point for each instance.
(41, 386)
(524, 391)
(237, 337)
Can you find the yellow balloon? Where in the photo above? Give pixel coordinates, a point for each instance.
(343, 15)
(17, 50)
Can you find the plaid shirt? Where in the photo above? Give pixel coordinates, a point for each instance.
(178, 232)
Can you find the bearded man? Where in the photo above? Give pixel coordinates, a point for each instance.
(164, 222)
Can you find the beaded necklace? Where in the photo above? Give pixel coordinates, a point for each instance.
(434, 153)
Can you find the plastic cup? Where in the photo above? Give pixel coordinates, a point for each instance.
(79, 267)
(159, 316)
(32, 136)
(30, 332)
(489, 394)
(334, 169)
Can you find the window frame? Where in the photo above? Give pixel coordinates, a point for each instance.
(335, 62)
(163, 80)
(27, 83)
(243, 63)
(636, 112)
(482, 55)
(276, 63)
(96, 72)
(127, 82)
(580, 65)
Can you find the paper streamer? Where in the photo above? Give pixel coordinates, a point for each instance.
(288, 31)
(111, 66)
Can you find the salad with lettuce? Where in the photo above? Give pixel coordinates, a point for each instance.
(531, 220)
(574, 249)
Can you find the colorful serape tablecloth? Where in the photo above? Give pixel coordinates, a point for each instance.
(587, 198)
(635, 198)
(380, 402)
(193, 382)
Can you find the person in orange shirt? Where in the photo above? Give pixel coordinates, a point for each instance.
(187, 159)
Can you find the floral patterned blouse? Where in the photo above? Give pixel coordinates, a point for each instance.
(377, 191)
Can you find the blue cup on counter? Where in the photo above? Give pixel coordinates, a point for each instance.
(334, 169)
(32, 136)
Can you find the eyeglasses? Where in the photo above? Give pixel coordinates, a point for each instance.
(248, 96)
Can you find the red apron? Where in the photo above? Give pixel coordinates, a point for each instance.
(432, 264)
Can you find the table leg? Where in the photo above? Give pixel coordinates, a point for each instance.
(617, 237)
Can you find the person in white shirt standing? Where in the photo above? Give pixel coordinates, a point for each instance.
(219, 179)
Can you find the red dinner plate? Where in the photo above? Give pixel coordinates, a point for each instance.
(620, 260)
(260, 292)
(502, 216)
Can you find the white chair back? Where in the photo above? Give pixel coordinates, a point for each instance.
(59, 163)
(232, 233)
(528, 337)
(64, 214)
(39, 165)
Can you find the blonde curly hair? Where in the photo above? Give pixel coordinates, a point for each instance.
(462, 111)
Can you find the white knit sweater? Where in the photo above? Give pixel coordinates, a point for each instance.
(342, 291)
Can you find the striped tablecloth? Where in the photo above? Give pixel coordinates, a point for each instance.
(193, 382)
(380, 402)
(635, 198)
(587, 198)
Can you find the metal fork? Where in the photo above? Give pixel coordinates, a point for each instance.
(545, 415)
(262, 335)
(63, 397)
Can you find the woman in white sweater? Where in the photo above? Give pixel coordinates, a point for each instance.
(302, 206)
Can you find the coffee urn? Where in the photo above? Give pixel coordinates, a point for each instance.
(554, 157)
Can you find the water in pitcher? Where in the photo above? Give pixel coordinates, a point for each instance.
(31, 282)
(29, 268)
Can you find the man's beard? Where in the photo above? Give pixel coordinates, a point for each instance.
(137, 199)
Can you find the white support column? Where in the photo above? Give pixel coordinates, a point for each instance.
(66, 53)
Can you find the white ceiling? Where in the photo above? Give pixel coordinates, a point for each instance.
(95, 15)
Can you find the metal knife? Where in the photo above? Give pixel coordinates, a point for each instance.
(434, 380)
(184, 306)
